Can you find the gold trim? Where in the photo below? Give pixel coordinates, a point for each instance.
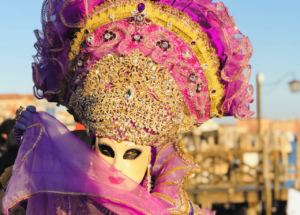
(171, 170)
(39, 137)
(162, 148)
(164, 198)
(165, 183)
(164, 163)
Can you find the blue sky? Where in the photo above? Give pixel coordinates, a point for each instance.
(273, 29)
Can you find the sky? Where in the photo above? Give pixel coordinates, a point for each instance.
(272, 27)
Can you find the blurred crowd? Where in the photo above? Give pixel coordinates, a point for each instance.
(8, 154)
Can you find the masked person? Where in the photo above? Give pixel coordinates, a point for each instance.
(135, 74)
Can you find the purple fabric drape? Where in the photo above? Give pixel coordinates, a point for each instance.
(58, 173)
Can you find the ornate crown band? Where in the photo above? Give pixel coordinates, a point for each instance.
(131, 97)
(170, 19)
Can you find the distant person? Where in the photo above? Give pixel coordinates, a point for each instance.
(8, 159)
(5, 129)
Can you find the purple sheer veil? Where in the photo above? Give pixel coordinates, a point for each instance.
(57, 172)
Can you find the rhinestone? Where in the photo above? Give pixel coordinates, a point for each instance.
(108, 94)
(132, 107)
(132, 129)
(133, 12)
(117, 94)
(101, 94)
(121, 105)
(127, 134)
(135, 60)
(146, 113)
(199, 87)
(115, 132)
(112, 16)
(165, 45)
(205, 66)
(117, 124)
(79, 63)
(122, 128)
(136, 37)
(192, 78)
(141, 7)
(107, 36)
(130, 19)
(182, 208)
(169, 25)
(153, 105)
(150, 63)
(193, 43)
(147, 102)
(128, 95)
(78, 79)
(191, 93)
(153, 76)
(118, 113)
(171, 80)
(90, 39)
(139, 18)
(140, 99)
(97, 71)
(169, 91)
(186, 54)
(139, 110)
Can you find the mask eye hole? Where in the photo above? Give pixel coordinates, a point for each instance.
(132, 154)
(106, 150)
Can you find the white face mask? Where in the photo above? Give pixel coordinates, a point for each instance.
(130, 159)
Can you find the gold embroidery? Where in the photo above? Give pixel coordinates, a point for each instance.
(164, 197)
(171, 156)
(162, 148)
(140, 92)
(171, 170)
(39, 137)
(165, 183)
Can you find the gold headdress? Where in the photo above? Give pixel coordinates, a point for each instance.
(144, 71)
(131, 97)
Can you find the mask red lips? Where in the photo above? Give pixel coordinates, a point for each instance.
(114, 180)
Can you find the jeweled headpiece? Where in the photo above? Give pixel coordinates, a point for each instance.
(141, 70)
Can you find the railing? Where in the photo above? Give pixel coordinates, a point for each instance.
(236, 167)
